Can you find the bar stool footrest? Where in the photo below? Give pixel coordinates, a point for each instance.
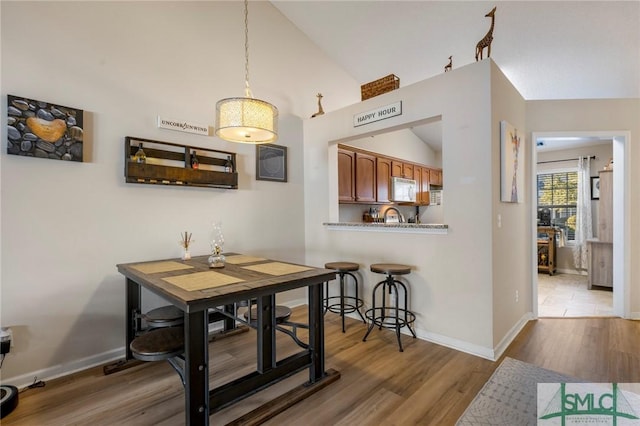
(351, 304)
(378, 317)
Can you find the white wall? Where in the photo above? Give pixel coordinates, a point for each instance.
(509, 221)
(452, 281)
(65, 226)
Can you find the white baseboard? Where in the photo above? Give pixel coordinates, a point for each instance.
(458, 345)
(470, 348)
(511, 334)
(635, 316)
(61, 370)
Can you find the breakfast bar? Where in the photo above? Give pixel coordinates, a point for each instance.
(195, 289)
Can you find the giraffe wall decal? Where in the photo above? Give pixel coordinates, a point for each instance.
(486, 41)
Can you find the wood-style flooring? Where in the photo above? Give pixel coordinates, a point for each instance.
(427, 384)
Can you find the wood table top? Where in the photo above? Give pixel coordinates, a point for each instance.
(192, 285)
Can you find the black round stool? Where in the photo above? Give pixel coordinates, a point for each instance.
(283, 313)
(164, 316)
(345, 304)
(158, 345)
(396, 315)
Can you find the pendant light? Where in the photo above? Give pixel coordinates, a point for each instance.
(246, 120)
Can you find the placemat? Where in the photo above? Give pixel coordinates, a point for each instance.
(156, 267)
(202, 280)
(277, 268)
(242, 258)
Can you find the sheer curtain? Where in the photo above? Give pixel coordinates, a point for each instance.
(584, 230)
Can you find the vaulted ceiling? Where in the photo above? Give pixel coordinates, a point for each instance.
(547, 49)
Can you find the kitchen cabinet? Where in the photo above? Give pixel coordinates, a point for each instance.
(346, 175)
(402, 169)
(407, 171)
(383, 178)
(365, 178)
(435, 177)
(423, 185)
(600, 263)
(547, 249)
(396, 169)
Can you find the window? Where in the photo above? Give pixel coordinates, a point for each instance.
(558, 199)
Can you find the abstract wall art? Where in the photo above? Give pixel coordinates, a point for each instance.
(45, 130)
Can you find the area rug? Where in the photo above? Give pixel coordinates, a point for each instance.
(510, 395)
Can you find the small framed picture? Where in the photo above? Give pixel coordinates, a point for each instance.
(271, 162)
(595, 187)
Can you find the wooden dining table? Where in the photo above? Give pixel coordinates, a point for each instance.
(196, 289)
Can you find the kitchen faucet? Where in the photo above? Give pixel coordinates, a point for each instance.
(400, 216)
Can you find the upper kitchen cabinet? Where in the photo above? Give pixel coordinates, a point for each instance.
(401, 169)
(435, 177)
(383, 178)
(421, 175)
(356, 177)
(346, 175)
(365, 178)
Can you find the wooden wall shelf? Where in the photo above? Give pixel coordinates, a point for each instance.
(170, 164)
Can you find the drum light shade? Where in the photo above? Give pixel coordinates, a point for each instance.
(246, 120)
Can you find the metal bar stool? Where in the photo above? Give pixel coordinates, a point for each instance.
(346, 304)
(395, 315)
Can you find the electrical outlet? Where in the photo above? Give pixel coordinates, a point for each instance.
(499, 220)
(517, 296)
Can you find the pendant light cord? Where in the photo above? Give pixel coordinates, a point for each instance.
(247, 90)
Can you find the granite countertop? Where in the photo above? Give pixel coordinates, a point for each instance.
(434, 228)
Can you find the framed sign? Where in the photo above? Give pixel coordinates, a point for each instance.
(271, 162)
(595, 187)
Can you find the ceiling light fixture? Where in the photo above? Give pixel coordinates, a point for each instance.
(246, 120)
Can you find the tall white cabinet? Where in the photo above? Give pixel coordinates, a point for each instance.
(601, 248)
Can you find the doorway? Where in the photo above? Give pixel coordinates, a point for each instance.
(565, 293)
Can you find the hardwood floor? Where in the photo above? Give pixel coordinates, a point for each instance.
(427, 384)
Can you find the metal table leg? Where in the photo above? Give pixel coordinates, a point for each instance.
(316, 333)
(133, 306)
(196, 351)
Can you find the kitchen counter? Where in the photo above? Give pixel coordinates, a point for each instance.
(413, 228)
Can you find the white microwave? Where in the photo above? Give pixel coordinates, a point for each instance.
(403, 190)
